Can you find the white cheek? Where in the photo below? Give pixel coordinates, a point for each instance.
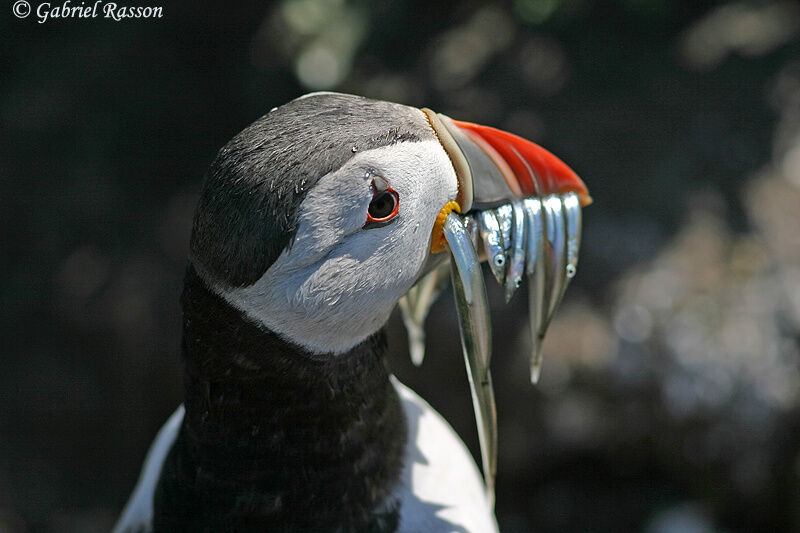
(338, 283)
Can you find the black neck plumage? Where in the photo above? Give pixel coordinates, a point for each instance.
(276, 438)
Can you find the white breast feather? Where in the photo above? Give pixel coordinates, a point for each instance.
(441, 489)
(138, 513)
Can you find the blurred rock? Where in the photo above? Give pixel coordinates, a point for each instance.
(741, 27)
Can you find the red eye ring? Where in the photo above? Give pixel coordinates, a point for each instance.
(384, 206)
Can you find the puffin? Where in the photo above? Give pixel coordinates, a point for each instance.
(313, 223)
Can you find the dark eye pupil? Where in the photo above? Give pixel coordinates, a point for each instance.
(382, 205)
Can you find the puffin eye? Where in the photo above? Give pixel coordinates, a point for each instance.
(383, 207)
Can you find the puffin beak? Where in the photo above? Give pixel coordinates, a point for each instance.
(494, 166)
(519, 207)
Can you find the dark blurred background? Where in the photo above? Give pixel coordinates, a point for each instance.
(669, 400)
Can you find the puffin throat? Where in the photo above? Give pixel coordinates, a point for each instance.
(275, 437)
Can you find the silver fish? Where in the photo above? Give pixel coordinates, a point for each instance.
(537, 277)
(516, 253)
(476, 340)
(538, 237)
(415, 305)
(492, 237)
(572, 207)
(557, 258)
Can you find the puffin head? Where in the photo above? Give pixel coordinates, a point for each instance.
(317, 218)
